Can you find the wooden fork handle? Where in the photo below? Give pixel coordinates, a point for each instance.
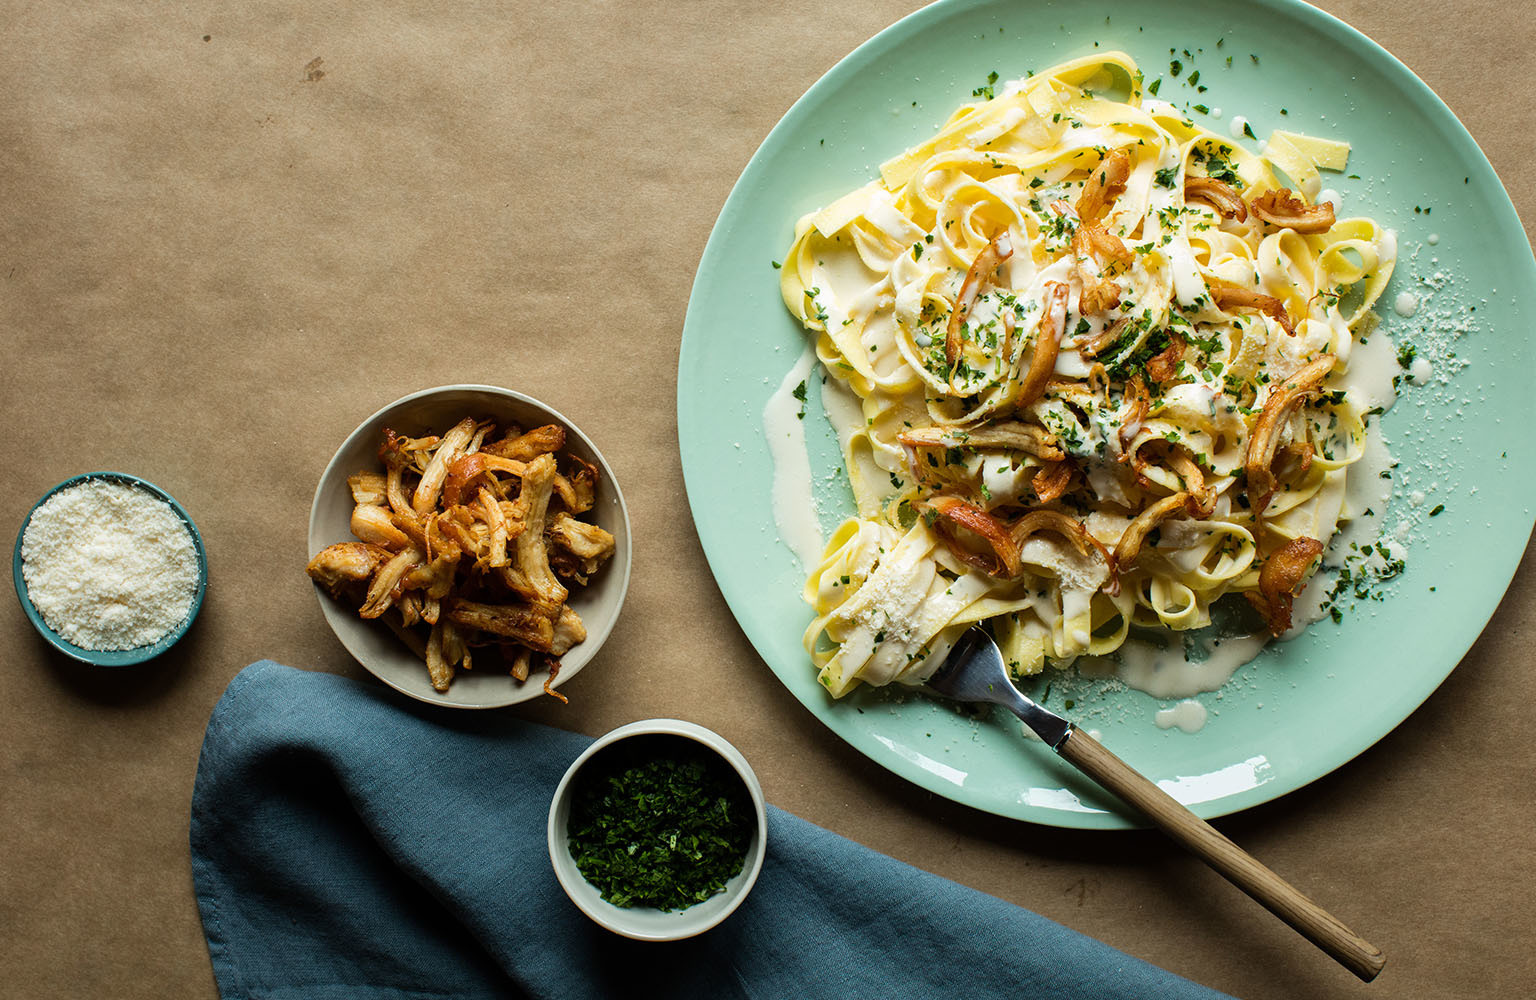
(1236, 865)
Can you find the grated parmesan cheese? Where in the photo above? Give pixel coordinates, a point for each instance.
(109, 565)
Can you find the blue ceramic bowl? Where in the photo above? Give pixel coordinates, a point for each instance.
(112, 657)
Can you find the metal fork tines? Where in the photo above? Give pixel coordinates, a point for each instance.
(974, 671)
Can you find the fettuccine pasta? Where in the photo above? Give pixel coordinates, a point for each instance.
(1103, 361)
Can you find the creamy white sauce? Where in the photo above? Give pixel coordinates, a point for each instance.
(1389, 244)
(1189, 716)
(1372, 365)
(1333, 198)
(1421, 371)
(1238, 124)
(843, 410)
(1168, 673)
(1406, 304)
(794, 507)
(1366, 493)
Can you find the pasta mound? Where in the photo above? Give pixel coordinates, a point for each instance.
(1103, 357)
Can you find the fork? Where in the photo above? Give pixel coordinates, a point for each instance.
(974, 672)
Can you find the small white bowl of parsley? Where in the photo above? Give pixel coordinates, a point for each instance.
(658, 830)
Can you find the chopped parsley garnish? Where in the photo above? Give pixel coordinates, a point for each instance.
(1168, 177)
(666, 829)
(985, 91)
(1219, 168)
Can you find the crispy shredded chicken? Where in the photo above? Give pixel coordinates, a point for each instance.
(1005, 540)
(470, 540)
(1053, 321)
(1283, 402)
(987, 261)
(1104, 186)
(578, 548)
(1140, 403)
(1009, 435)
(386, 583)
(466, 472)
(1091, 346)
(578, 488)
(1052, 481)
(520, 657)
(369, 488)
(1165, 366)
(1220, 195)
(1230, 298)
(1098, 254)
(1135, 534)
(453, 444)
(1005, 552)
(1282, 209)
(527, 447)
(1281, 577)
(523, 622)
(532, 555)
(1202, 499)
(1201, 502)
(344, 565)
(374, 524)
(395, 456)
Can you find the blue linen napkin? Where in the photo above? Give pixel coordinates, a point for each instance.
(350, 843)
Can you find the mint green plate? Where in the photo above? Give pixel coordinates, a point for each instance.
(1303, 707)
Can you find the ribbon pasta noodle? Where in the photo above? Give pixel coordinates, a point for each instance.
(1102, 357)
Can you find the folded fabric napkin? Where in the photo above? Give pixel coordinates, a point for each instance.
(350, 843)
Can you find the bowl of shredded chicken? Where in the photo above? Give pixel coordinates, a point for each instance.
(470, 547)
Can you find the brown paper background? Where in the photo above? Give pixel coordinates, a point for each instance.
(229, 234)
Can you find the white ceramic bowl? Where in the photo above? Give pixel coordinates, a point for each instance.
(646, 923)
(377, 648)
